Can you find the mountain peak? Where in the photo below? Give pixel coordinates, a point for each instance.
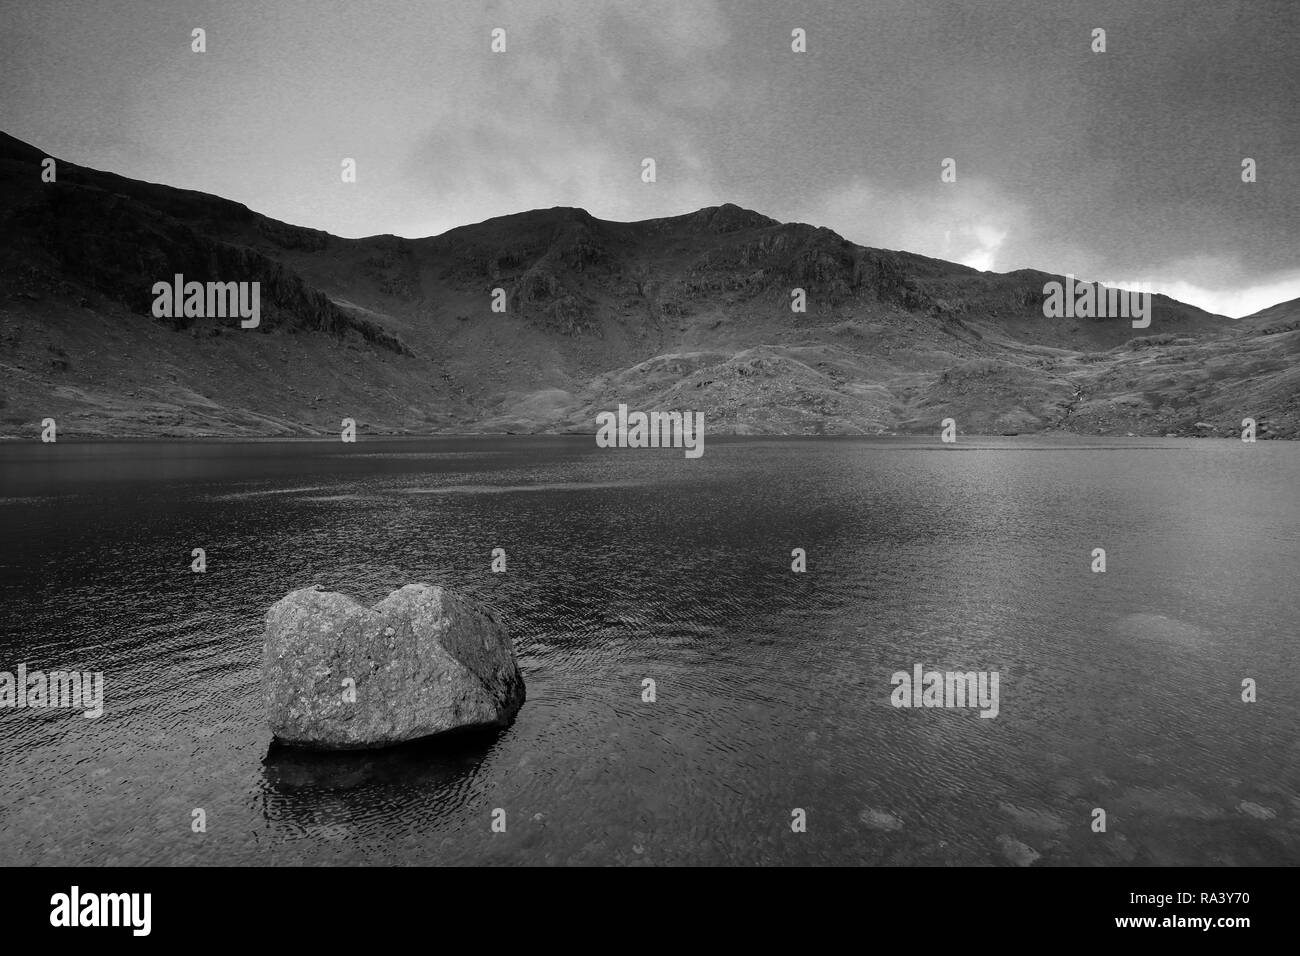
(726, 218)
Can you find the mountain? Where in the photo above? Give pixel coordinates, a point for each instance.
(690, 312)
(1283, 317)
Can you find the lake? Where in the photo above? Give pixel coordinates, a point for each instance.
(1118, 691)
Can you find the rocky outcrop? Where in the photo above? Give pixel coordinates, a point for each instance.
(118, 238)
(423, 661)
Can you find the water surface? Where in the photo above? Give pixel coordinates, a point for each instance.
(1119, 691)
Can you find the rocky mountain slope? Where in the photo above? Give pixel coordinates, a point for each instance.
(691, 313)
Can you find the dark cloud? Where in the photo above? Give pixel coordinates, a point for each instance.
(1117, 165)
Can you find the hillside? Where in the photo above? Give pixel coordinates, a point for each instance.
(689, 312)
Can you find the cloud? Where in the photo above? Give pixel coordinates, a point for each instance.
(1230, 301)
(480, 172)
(1114, 165)
(1223, 284)
(567, 115)
(968, 221)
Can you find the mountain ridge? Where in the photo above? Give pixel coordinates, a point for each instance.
(689, 312)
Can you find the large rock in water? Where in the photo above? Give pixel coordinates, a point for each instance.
(423, 660)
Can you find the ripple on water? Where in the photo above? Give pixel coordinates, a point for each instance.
(771, 687)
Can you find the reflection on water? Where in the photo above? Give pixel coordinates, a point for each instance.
(1119, 690)
(438, 761)
(329, 794)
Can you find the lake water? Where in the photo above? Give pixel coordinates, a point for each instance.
(1119, 690)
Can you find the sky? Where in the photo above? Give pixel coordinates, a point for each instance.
(1123, 165)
